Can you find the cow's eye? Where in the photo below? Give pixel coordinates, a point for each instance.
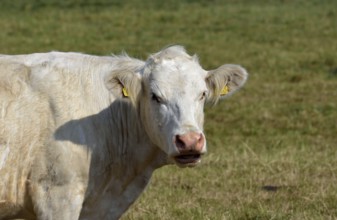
(203, 96)
(155, 98)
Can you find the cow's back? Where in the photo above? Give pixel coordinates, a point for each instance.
(24, 126)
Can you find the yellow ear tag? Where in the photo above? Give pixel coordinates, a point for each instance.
(125, 93)
(224, 90)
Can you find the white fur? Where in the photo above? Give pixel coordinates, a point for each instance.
(4, 149)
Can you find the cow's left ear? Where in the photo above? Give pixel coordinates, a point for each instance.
(124, 85)
(224, 81)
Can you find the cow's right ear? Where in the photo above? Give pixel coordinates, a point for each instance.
(124, 85)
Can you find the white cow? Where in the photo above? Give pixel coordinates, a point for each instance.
(81, 135)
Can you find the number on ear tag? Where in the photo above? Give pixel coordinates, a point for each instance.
(125, 92)
(224, 90)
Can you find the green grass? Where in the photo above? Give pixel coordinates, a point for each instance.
(272, 147)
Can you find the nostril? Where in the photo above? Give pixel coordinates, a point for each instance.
(200, 143)
(201, 138)
(179, 142)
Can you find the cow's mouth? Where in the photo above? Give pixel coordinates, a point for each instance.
(188, 159)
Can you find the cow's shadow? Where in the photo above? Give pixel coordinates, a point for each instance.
(110, 139)
(121, 115)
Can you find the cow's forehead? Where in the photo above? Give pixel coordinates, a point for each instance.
(183, 75)
(178, 66)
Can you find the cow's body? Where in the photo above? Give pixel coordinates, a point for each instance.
(74, 145)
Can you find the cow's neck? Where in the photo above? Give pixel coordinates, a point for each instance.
(125, 144)
(121, 170)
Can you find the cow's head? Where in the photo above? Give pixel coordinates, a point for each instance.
(170, 92)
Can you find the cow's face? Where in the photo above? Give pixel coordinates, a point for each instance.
(174, 89)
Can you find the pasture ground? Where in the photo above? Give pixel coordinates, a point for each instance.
(272, 147)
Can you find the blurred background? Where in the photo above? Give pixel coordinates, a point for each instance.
(272, 146)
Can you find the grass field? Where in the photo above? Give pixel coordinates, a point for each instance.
(272, 147)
